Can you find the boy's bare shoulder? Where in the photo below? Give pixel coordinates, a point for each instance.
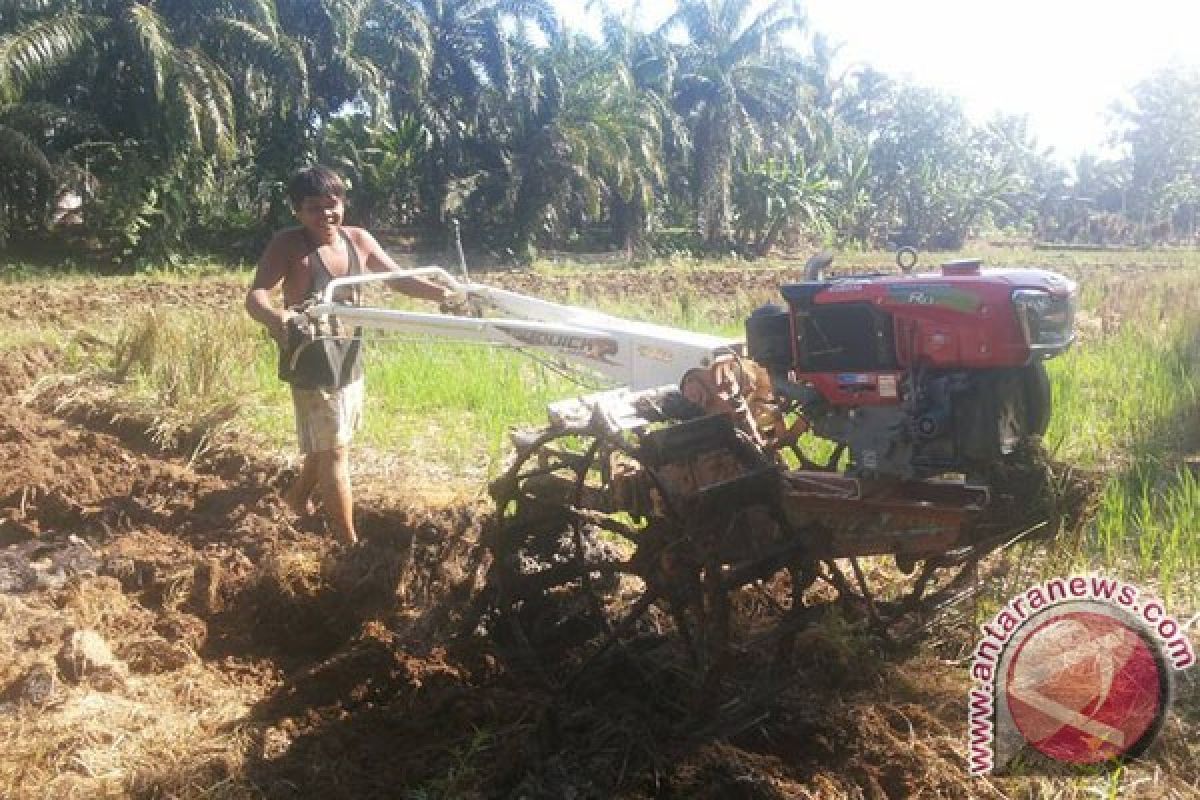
(360, 236)
(289, 238)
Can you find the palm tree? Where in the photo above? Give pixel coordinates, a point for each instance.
(120, 60)
(736, 85)
(642, 69)
(158, 78)
(118, 64)
(466, 65)
(825, 85)
(299, 64)
(868, 100)
(599, 142)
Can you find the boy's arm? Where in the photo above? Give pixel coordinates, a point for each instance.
(379, 261)
(271, 269)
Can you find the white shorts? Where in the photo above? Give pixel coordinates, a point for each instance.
(327, 418)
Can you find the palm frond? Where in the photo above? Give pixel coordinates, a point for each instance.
(247, 42)
(497, 56)
(252, 47)
(763, 33)
(262, 14)
(397, 35)
(345, 20)
(206, 87)
(297, 66)
(33, 52)
(19, 150)
(63, 126)
(369, 81)
(540, 12)
(150, 35)
(694, 17)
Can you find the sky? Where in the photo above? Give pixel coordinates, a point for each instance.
(1062, 62)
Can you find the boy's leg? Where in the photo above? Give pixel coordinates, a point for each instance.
(333, 477)
(299, 493)
(326, 421)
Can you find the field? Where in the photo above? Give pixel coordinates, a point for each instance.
(236, 652)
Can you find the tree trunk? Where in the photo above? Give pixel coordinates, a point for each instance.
(431, 194)
(714, 165)
(629, 222)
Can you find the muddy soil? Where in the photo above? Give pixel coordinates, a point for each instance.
(334, 672)
(66, 305)
(168, 629)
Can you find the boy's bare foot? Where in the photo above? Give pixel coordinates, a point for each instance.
(300, 506)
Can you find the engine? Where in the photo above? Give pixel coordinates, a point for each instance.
(918, 375)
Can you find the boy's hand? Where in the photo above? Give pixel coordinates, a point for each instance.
(278, 330)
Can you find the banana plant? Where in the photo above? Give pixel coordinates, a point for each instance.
(380, 163)
(776, 195)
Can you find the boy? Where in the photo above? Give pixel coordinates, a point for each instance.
(305, 259)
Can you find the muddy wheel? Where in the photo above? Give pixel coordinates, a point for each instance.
(571, 579)
(564, 575)
(1037, 398)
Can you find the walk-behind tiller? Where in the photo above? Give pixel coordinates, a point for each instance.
(869, 415)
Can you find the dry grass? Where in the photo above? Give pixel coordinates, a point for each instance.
(187, 361)
(179, 738)
(176, 733)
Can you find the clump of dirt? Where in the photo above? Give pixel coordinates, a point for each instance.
(196, 576)
(1033, 493)
(22, 366)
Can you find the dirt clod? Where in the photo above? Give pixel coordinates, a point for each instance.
(39, 687)
(86, 656)
(182, 628)
(155, 655)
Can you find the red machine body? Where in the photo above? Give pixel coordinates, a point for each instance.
(959, 318)
(919, 374)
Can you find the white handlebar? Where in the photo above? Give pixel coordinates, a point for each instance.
(634, 354)
(378, 277)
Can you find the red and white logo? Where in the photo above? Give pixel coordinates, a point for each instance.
(1078, 670)
(1085, 687)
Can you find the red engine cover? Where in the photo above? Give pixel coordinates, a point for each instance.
(963, 317)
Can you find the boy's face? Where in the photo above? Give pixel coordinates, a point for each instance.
(321, 215)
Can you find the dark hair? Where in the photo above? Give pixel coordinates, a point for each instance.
(315, 182)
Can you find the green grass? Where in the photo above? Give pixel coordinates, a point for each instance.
(454, 403)
(1128, 403)
(1128, 398)
(23, 272)
(449, 403)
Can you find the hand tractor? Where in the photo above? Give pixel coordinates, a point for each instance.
(864, 416)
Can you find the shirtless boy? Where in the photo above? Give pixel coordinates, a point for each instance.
(305, 259)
